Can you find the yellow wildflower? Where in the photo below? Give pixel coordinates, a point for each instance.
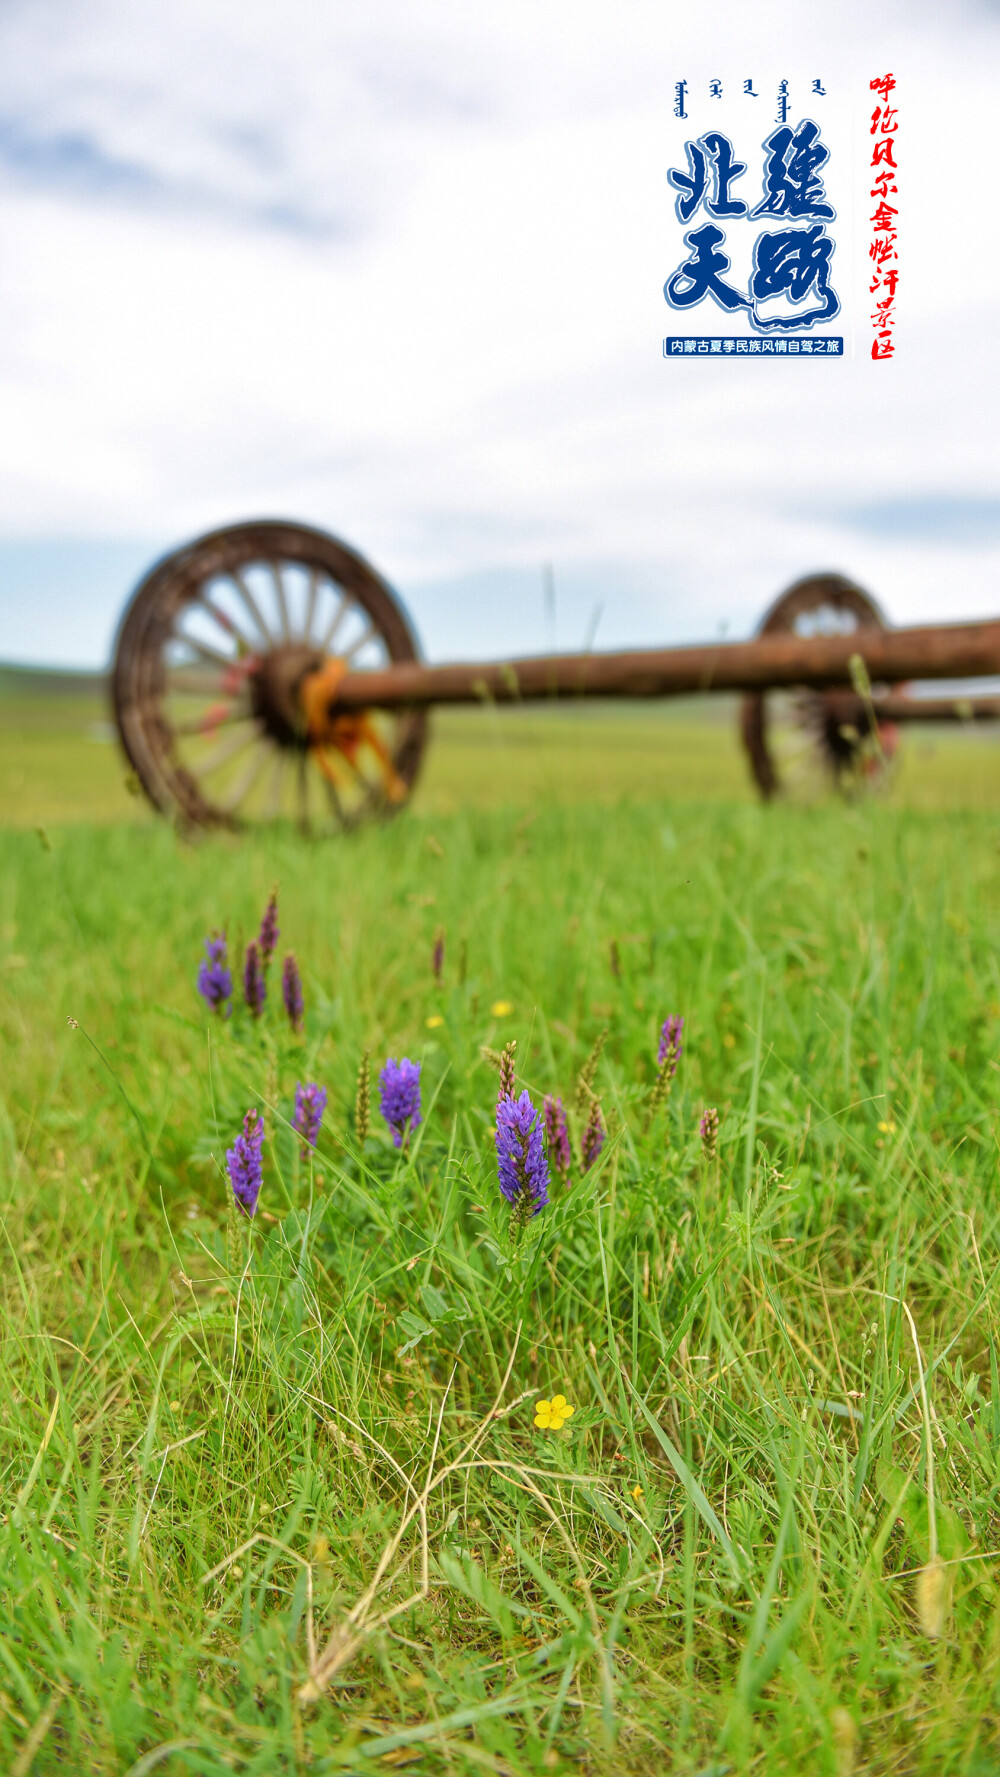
(434, 1022)
(637, 1492)
(501, 1008)
(887, 1128)
(552, 1415)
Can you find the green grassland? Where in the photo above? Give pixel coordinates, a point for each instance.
(59, 758)
(274, 1500)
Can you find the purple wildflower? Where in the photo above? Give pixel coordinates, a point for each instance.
(269, 933)
(671, 1045)
(556, 1135)
(254, 985)
(246, 1169)
(310, 1103)
(437, 954)
(215, 983)
(593, 1137)
(400, 1101)
(522, 1168)
(291, 989)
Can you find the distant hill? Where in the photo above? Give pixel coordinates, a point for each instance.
(48, 681)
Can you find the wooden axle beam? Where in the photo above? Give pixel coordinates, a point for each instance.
(894, 707)
(941, 651)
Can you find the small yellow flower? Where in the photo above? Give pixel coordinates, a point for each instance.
(729, 1041)
(434, 1022)
(501, 1008)
(637, 1492)
(887, 1128)
(552, 1415)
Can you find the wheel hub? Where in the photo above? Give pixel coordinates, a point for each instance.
(275, 694)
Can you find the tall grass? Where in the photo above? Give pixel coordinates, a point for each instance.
(274, 1499)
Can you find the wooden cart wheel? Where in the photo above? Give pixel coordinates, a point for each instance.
(805, 726)
(214, 655)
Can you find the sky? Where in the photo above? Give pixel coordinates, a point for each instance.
(398, 272)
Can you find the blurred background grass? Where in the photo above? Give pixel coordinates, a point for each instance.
(60, 760)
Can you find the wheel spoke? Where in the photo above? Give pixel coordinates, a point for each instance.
(207, 723)
(333, 797)
(279, 593)
(366, 635)
(239, 790)
(228, 661)
(227, 749)
(302, 791)
(335, 623)
(310, 604)
(236, 576)
(272, 807)
(193, 681)
(226, 623)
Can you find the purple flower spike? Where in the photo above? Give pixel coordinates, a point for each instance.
(522, 1168)
(556, 1135)
(437, 955)
(215, 983)
(593, 1138)
(246, 1168)
(291, 989)
(400, 1102)
(671, 1045)
(310, 1103)
(269, 933)
(254, 985)
(708, 1129)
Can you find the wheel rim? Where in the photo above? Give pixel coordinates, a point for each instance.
(212, 654)
(793, 743)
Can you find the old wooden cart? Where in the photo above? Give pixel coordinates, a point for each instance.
(267, 672)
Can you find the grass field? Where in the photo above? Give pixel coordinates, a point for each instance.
(274, 1497)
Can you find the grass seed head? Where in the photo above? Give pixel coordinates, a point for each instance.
(708, 1129)
(844, 1730)
(437, 954)
(506, 1087)
(585, 1079)
(363, 1099)
(933, 1597)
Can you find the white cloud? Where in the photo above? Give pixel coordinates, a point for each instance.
(400, 274)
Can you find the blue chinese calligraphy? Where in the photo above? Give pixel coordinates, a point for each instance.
(693, 184)
(792, 185)
(701, 275)
(791, 262)
(790, 278)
